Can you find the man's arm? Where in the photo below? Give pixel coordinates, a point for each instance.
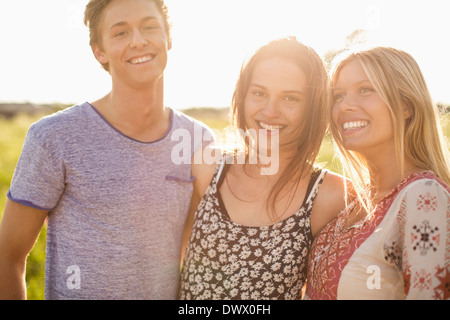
(203, 172)
(19, 229)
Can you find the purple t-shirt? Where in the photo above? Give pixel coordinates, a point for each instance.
(117, 206)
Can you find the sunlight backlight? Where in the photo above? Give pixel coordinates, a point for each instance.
(47, 57)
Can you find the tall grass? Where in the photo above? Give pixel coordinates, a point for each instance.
(12, 134)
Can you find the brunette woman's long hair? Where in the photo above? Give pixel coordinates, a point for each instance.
(312, 128)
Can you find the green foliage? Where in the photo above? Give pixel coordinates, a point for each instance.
(445, 122)
(36, 268)
(12, 135)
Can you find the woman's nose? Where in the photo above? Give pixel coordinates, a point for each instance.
(348, 102)
(271, 109)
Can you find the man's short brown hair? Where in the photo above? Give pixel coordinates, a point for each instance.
(93, 13)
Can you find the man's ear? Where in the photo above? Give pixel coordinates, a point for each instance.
(99, 54)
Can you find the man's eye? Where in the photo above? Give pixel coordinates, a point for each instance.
(150, 27)
(120, 34)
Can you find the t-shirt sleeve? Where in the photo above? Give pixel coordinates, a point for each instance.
(426, 263)
(38, 180)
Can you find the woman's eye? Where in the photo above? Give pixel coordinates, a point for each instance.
(338, 97)
(291, 99)
(365, 90)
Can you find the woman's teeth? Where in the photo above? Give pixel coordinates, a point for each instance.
(270, 127)
(354, 125)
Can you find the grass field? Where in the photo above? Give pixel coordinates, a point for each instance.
(12, 134)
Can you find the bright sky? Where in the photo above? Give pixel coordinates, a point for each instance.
(45, 56)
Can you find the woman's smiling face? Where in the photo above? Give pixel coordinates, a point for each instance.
(276, 98)
(359, 114)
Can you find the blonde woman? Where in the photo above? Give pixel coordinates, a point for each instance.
(392, 240)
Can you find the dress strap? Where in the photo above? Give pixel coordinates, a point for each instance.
(220, 169)
(313, 186)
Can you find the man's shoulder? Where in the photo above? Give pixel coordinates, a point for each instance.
(186, 125)
(182, 120)
(60, 121)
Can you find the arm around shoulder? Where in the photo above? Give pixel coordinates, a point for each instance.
(204, 163)
(19, 229)
(202, 170)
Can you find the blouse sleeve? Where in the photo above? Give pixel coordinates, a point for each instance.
(426, 240)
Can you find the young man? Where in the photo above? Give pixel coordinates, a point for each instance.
(103, 173)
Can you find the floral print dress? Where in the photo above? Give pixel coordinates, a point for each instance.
(400, 251)
(226, 260)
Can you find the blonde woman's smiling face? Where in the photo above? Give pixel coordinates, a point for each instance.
(360, 115)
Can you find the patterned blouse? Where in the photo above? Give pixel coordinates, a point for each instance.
(226, 260)
(400, 251)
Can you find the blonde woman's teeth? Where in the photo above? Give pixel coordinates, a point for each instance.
(354, 125)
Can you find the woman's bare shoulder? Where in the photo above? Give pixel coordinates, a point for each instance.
(203, 167)
(330, 200)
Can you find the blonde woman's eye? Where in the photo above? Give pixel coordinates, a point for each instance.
(365, 90)
(291, 99)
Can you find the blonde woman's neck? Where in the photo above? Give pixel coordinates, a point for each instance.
(384, 178)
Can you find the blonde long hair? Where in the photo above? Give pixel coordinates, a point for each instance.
(399, 81)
